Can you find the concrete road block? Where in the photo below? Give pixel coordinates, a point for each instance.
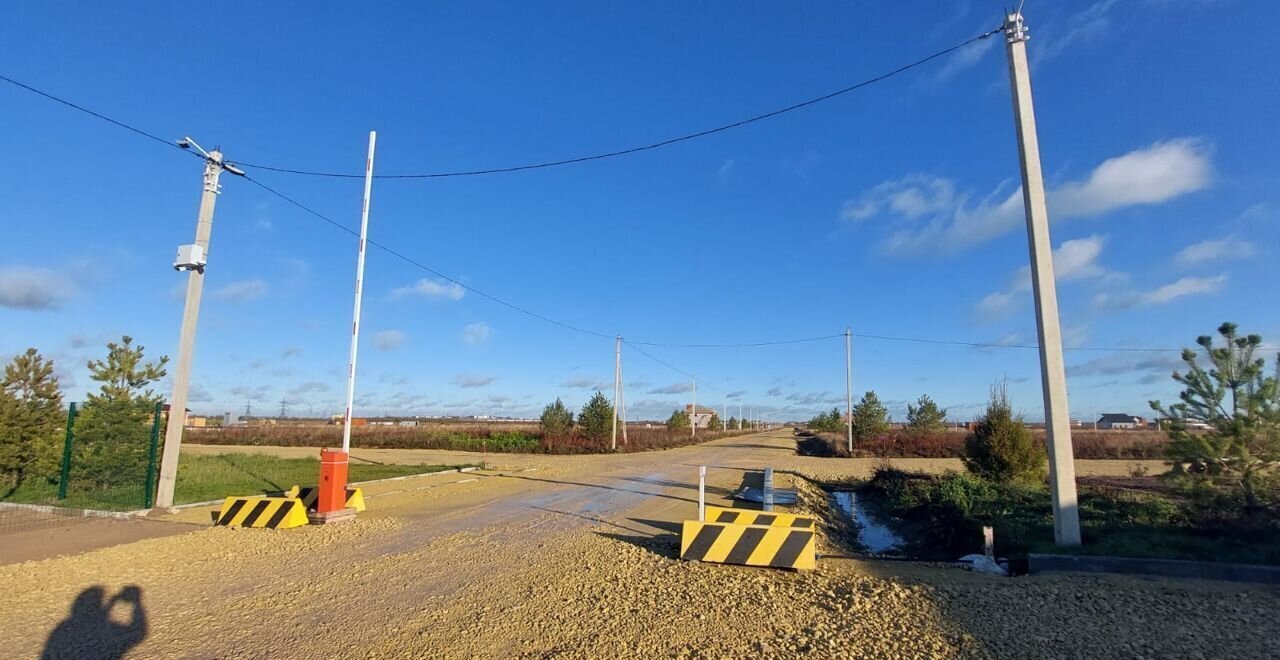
(766, 518)
(748, 545)
(309, 496)
(263, 512)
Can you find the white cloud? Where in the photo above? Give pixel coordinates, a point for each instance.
(725, 172)
(431, 290)
(1156, 174)
(198, 394)
(242, 291)
(587, 384)
(1081, 27)
(1072, 260)
(965, 58)
(1187, 286)
(476, 333)
(1149, 367)
(930, 216)
(677, 388)
(1228, 247)
(23, 287)
(911, 197)
(1076, 259)
(1074, 336)
(472, 380)
(998, 304)
(388, 340)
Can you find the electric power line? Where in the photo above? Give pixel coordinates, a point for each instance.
(777, 342)
(532, 314)
(662, 362)
(646, 147)
(424, 267)
(87, 111)
(974, 344)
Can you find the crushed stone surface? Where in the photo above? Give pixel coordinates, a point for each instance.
(576, 559)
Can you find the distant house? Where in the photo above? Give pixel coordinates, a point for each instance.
(700, 419)
(165, 410)
(1121, 421)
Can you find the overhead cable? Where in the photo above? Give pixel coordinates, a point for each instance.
(645, 147)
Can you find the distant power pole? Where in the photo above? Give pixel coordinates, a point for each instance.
(739, 414)
(248, 407)
(693, 418)
(617, 387)
(848, 383)
(284, 408)
(191, 258)
(1057, 422)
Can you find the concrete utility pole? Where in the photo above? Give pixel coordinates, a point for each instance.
(1062, 472)
(739, 414)
(622, 401)
(191, 258)
(848, 383)
(724, 414)
(617, 387)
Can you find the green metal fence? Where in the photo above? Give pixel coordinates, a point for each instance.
(109, 457)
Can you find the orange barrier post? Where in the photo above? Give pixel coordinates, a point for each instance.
(331, 500)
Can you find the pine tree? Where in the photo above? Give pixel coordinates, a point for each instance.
(1242, 445)
(870, 417)
(733, 422)
(679, 419)
(112, 435)
(1001, 448)
(557, 420)
(124, 375)
(926, 417)
(596, 419)
(714, 423)
(31, 419)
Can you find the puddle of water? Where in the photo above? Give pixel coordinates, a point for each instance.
(876, 537)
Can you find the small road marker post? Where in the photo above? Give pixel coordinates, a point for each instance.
(702, 493)
(768, 489)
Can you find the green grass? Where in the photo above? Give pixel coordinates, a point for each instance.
(941, 518)
(203, 478)
(209, 477)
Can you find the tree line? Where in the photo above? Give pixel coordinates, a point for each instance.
(110, 433)
(871, 419)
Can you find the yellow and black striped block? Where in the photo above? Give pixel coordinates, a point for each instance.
(749, 545)
(766, 518)
(262, 511)
(309, 496)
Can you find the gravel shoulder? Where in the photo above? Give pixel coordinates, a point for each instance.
(573, 556)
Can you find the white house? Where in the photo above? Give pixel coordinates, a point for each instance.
(1121, 421)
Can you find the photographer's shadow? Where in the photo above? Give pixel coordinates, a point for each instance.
(89, 631)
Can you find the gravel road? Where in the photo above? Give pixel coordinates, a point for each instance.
(573, 557)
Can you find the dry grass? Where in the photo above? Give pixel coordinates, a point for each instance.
(1087, 444)
(498, 438)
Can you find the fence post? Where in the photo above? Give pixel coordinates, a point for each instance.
(66, 453)
(149, 497)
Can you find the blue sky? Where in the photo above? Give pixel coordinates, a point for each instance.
(894, 210)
